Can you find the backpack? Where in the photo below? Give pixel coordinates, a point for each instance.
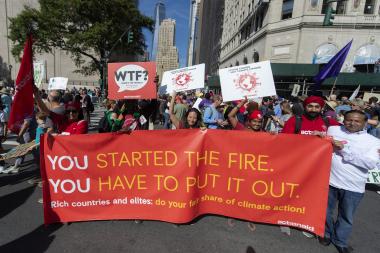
(91, 107)
(103, 125)
(297, 128)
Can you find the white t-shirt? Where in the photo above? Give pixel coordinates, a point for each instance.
(2, 122)
(349, 166)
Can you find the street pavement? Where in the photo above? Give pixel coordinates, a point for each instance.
(22, 229)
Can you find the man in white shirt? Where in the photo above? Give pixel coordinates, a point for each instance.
(355, 152)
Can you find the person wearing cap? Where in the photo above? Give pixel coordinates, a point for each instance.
(355, 152)
(311, 121)
(213, 116)
(254, 120)
(67, 124)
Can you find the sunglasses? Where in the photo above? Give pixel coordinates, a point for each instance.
(71, 111)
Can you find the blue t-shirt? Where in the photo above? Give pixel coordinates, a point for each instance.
(39, 131)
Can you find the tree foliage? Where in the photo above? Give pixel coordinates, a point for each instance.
(82, 28)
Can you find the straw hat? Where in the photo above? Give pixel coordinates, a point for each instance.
(4, 91)
(332, 104)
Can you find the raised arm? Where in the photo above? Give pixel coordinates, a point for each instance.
(40, 104)
(173, 118)
(232, 115)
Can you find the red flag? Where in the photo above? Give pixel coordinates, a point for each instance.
(23, 103)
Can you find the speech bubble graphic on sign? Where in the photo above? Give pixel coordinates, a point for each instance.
(131, 80)
(131, 77)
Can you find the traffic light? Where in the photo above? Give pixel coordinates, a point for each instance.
(130, 37)
(329, 16)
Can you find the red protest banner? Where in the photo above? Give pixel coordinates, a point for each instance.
(23, 103)
(132, 80)
(178, 175)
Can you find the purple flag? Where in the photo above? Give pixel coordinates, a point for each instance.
(332, 68)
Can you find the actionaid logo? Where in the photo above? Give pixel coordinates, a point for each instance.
(131, 77)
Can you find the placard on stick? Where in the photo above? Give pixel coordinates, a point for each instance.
(131, 80)
(253, 81)
(184, 79)
(58, 83)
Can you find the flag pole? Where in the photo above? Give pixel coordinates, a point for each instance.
(303, 87)
(332, 89)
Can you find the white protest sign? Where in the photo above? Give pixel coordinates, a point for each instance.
(57, 83)
(368, 95)
(189, 78)
(252, 81)
(196, 104)
(39, 73)
(373, 177)
(296, 90)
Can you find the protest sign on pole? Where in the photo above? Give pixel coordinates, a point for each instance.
(176, 176)
(184, 79)
(368, 95)
(39, 73)
(252, 81)
(58, 83)
(132, 80)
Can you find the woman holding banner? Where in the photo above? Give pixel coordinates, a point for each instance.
(193, 118)
(68, 123)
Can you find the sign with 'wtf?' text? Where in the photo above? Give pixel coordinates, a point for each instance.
(253, 81)
(131, 80)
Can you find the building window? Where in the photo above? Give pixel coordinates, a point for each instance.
(341, 7)
(245, 60)
(287, 9)
(237, 63)
(314, 3)
(369, 7)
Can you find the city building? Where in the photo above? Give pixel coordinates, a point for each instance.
(291, 35)
(159, 15)
(210, 30)
(195, 9)
(58, 63)
(167, 52)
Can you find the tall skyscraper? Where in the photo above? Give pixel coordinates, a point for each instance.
(193, 27)
(167, 53)
(210, 31)
(159, 15)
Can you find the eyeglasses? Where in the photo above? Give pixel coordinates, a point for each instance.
(71, 111)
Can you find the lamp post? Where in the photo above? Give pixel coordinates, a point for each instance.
(104, 61)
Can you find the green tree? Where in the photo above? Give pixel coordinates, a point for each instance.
(82, 28)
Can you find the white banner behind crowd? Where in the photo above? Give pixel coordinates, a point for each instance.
(184, 79)
(58, 83)
(252, 80)
(368, 95)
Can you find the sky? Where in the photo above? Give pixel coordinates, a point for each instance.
(175, 9)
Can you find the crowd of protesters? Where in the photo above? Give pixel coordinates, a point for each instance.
(352, 125)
